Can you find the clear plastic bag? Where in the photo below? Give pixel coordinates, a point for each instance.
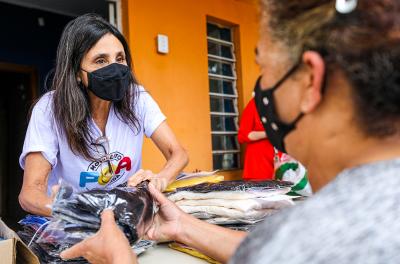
(76, 216)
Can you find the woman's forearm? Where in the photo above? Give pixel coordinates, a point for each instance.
(257, 135)
(175, 164)
(214, 241)
(33, 196)
(35, 201)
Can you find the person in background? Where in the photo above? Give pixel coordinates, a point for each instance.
(262, 161)
(330, 87)
(259, 156)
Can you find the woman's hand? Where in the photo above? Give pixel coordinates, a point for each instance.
(171, 223)
(160, 183)
(167, 222)
(108, 246)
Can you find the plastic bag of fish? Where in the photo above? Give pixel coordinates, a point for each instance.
(233, 202)
(76, 216)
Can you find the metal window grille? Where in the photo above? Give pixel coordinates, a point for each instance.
(223, 97)
(114, 13)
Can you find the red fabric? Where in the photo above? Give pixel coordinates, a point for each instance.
(259, 157)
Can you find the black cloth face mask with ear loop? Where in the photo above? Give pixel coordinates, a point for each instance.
(275, 128)
(111, 82)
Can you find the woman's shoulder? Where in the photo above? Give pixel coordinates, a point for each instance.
(140, 92)
(139, 88)
(45, 100)
(141, 96)
(45, 103)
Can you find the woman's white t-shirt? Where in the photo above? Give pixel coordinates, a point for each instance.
(124, 146)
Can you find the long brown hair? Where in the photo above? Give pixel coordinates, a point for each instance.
(364, 44)
(70, 101)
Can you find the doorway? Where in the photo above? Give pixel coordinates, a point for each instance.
(18, 91)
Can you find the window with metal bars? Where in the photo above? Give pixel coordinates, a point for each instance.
(223, 97)
(114, 13)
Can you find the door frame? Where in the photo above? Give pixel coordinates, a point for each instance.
(32, 72)
(19, 68)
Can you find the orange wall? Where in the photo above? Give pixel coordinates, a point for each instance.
(178, 81)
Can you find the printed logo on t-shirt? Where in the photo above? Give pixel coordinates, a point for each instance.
(99, 171)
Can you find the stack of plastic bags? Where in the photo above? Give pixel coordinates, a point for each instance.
(233, 204)
(230, 203)
(76, 216)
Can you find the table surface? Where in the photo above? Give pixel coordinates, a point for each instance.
(163, 254)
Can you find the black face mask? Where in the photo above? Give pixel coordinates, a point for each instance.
(265, 102)
(111, 82)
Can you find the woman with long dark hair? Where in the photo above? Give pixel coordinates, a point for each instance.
(329, 94)
(88, 130)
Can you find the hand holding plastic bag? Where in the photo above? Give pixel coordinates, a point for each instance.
(109, 245)
(76, 216)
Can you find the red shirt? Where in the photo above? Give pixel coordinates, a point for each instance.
(259, 157)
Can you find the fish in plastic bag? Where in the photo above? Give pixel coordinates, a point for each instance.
(76, 216)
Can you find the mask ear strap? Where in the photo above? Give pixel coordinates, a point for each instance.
(297, 119)
(258, 85)
(287, 75)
